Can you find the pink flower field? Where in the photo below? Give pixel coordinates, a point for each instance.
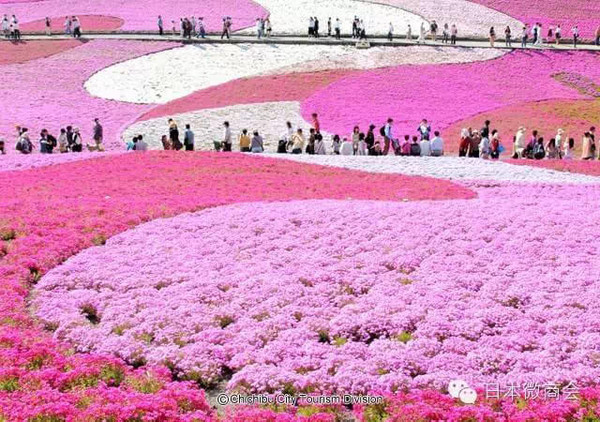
(310, 297)
(38, 104)
(137, 15)
(583, 13)
(411, 93)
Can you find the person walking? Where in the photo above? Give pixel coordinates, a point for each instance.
(409, 33)
(507, 37)
(268, 27)
(227, 137)
(76, 27)
(67, 25)
(98, 134)
(391, 32)
(201, 32)
(257, 143)
(492, 36)
(316, 32)
(225, 32)
(433, 28)
(258, 28)
(244, 141)
(15, 28)
(188, 138)
(311, 27)
(5, 27)
(48, 26)
(453, 34)
(445, 34)
(575, 32)
(338, 34)
(160, 25)
(524, 36)
(174, 135)
(558, 34)
(329, 27)
(387, 135)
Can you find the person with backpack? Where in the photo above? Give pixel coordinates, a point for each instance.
(188, 138)
(386, 132)
(415, 148)
(539, 152)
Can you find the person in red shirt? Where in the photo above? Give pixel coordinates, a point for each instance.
(316, 124)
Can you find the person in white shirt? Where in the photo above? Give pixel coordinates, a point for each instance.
(437, 145)
(575, 32)
(337, 28)
(425, 148)
(421, 33)
(320, 148)
(484, 148)
(227, 142)
(347, 148)
(519, 146)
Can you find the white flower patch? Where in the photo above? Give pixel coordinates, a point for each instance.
(268, 118)
(451, 168)
(168, 75)
(292, 17)
(471, 19)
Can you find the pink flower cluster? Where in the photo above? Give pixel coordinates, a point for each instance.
(583, 13)
(64, 101)
(445, 94)
(51, 213)
(141, 14)
(352, 297)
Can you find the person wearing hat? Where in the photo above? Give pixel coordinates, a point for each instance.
(77, 143)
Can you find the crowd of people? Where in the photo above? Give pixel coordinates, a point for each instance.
(10, 27)
(189, 27)
(484, 143)
(69, 140)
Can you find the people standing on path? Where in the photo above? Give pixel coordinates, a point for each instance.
(201, 32)
(258, 28)
(453, 34)
(558, 34)
(160, 25)
(524, 36)
(329, 27)
(311, 27)
(421, 33)
(316, 27)
(337, 29)
(540, 38)
(492, 36)
(391, 32)
(268, 27)
(575, 32)
(445, 34)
